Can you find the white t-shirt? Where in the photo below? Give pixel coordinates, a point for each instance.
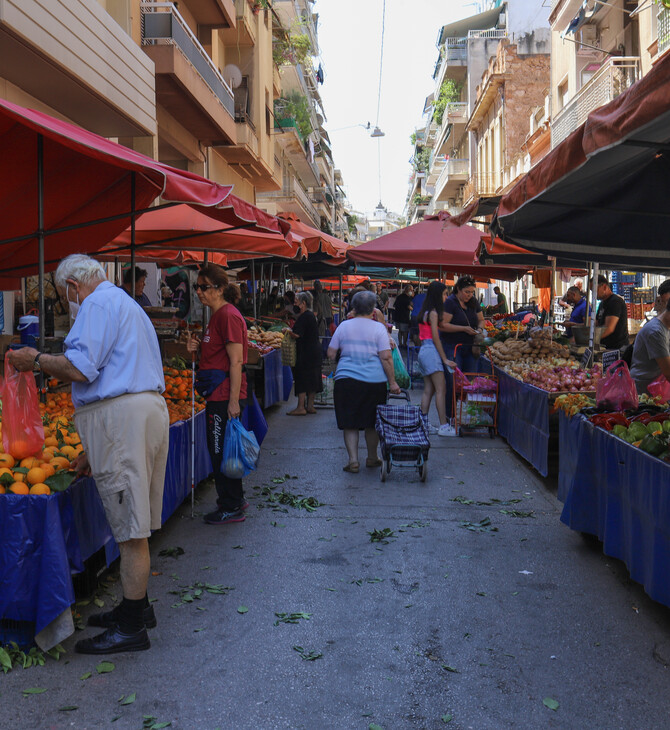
(360, 341)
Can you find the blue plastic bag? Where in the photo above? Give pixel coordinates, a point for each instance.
(240, 450)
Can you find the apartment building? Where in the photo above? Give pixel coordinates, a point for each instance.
(304, 156)
(188, 83)
(598, 50)
(448, 148)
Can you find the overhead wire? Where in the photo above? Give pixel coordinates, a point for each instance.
(379, 100)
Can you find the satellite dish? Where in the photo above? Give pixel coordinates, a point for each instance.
(232, 75)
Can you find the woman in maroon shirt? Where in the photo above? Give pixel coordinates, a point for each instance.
(221, 380)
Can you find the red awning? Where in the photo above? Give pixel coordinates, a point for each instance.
(183, 226)
(433, 242)
(314, 240)
(601, 194)
(88, 178)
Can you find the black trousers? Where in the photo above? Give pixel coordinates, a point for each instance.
(230, 492)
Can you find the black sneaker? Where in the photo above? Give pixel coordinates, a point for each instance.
(221, 517)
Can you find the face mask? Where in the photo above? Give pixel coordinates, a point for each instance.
(74, 306)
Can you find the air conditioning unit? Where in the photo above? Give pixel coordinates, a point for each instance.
(589, 34)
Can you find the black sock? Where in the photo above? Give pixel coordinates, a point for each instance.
(131, 615)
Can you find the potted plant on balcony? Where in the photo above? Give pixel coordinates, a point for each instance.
(293, 110)
(449, 91)
(258, 5)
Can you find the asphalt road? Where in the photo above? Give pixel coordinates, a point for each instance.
(443, 625)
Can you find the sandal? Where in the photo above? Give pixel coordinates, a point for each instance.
(296, 413)
(312, 411)
(352, 467)
(373, 462)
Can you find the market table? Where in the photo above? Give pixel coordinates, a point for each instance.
(621, 494)
(523, 419)
(45, 540)
(275, 380)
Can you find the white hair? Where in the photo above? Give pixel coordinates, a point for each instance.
(81, 268)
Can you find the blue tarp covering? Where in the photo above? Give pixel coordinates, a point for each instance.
(45, 539)
(523, 419)
(622, 495)
(273, 374)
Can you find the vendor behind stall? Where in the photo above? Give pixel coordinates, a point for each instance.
(501, 306)
(140, 282)
(612, 315)
(573, 297)
(651, 353)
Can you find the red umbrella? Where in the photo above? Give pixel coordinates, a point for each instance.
(315, 240)
(433, 242)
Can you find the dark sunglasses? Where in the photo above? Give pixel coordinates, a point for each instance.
(204, 287)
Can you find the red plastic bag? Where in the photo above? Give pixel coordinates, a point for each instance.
(616, 390)
(460, 380)
(22, 429)
(660, 387)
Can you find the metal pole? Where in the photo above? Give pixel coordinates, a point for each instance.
(340, 315)
(594, 295)
(205, 310)
(253, 284)
(40, 250)
(132, 234)
(550, 318)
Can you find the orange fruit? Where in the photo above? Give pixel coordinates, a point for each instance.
(29, 462)
(46, 468)
(5, 470)
(7, 460)
(68, 451)
(39, 489)
(2, 489)
(36, 476)
(60, 462)
(19, 476)
(51, 441)
(19, 488)
(20, 449)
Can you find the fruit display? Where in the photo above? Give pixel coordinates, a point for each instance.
(539, 348)
(48, 470)
(562, 379)
(178, 378)
(264, 340)
(647, 431)
(572, 403)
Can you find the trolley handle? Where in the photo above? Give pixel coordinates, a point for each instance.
(403, 395)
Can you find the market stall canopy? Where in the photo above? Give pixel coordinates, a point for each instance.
(87, 187)
(433, 242)
(313, 239)
(496, 251)
(460, 28)
(602, 194)
(185, 227)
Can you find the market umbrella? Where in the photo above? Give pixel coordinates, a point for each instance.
(493, 251)
(433, 243)
(314, 240)
(601, 194)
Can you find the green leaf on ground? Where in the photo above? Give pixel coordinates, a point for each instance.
(34, 691)
(446, 718)
(382, 536)
(171, 552)
(308, 656)
(5, 661)
(86, 676)
(99, 602)
(517, 513)
(550, 703)
(68, 708)
(374, 726)
(291, 618)
(242, 609)
(450, 669)
(105, 667)
(481, 526)
(129, 699)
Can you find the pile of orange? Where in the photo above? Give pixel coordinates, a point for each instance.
(178, 394)
(26, 474)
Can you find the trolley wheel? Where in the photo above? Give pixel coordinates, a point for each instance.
(461, 433)
(423, 471)
(492, 432)
(383, 471)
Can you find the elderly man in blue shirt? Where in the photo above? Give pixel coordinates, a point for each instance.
(113, 361)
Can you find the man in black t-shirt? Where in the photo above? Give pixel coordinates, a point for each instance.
(613, 316)
(402, 312)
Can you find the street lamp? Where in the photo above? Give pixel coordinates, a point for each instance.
(376, 132)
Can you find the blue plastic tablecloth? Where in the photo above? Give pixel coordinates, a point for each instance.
(43, 540)
(621, 494)
(273, 378)
(523, 419)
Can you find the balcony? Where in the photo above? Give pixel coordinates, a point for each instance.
(453, 57)
(244, 31)
(292, 198)
(611, 79)
(213, 13)
(291, 141)
(188, 84)
(435, 168)
(453, 124)
(453, 175)
(78, 61)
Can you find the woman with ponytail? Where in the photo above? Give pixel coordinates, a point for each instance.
(221, 381)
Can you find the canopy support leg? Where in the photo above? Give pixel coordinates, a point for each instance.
(594, 299)
(40, 249)
(253, 285)
(132, 234)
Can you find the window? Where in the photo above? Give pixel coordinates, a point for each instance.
(562, 94)
(663, 22)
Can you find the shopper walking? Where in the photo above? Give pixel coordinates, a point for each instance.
(307, 370)
(364, 369)
(402, 311)
(432, 358)
(113, 361)
(461, 321)
(222, 382)
(323, 308)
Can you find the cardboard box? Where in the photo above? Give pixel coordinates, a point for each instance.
(176, 349)
(253, 356)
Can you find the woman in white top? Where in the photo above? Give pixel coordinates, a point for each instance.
(364, 369)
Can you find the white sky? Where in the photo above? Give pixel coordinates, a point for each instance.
(349, 38)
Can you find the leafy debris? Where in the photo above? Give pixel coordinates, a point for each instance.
(308, 656)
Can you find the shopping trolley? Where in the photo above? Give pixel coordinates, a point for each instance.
(475, 402)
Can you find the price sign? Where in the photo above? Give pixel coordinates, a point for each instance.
(610, 357)
(586, 360)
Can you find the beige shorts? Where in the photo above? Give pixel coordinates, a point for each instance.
(126, 441)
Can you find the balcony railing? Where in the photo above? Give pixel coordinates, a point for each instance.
(495, 33)
(482, 183)
(455, 49)
(452, 168)
(611, 79)
(163, 25)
